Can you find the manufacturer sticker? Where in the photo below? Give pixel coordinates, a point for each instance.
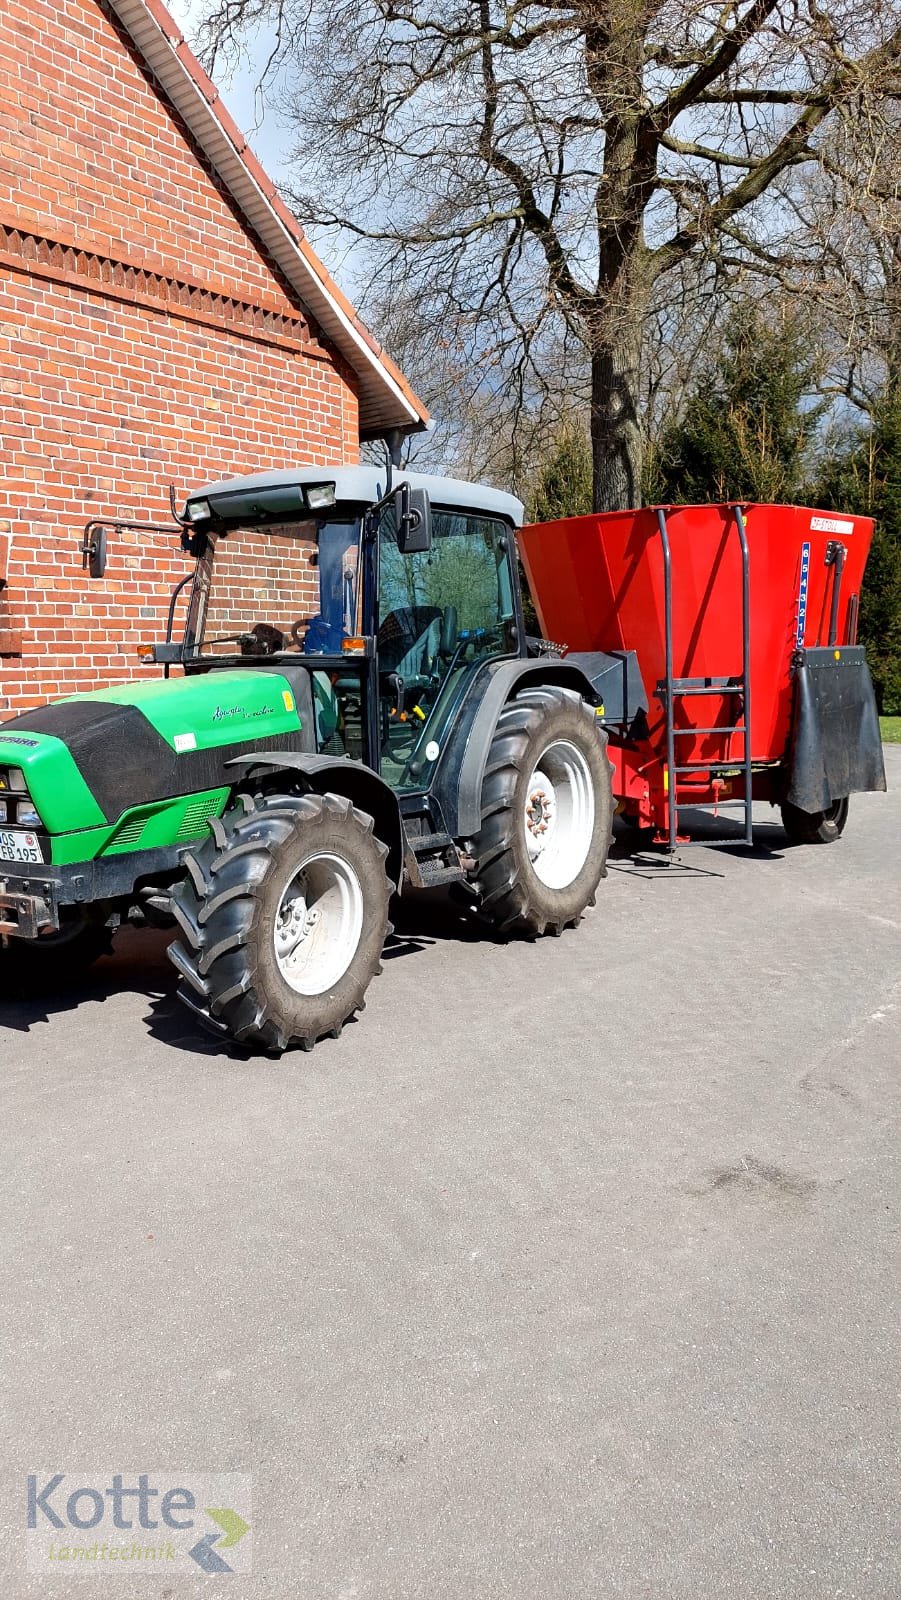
(802, 593)
(288, 698)
(831, 525)
(185, 741)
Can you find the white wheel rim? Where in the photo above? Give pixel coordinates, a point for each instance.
(559, 815)
(318, 924)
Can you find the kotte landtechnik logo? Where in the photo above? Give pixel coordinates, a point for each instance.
(149, 1522)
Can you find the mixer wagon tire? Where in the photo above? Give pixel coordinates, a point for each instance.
(283, 914)
(815, 827)
(547, 815)
(55, 959)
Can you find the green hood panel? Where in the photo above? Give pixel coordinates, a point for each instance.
(212, 708)
(92, 757)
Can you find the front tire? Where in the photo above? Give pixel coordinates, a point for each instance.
(815, 827)
(547, 814)
(284, 913)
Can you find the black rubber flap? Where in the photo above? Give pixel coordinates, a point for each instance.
(836, 746)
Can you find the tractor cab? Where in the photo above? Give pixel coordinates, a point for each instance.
(350, 711)
(379, 607)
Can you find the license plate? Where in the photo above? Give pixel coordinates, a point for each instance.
(19, 847)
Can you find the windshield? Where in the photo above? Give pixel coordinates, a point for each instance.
(285, 586)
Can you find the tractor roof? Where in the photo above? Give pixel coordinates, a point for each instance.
(365, 485)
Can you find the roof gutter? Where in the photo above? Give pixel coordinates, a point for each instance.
(386, 401)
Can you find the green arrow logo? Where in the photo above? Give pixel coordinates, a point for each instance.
(233, 1526)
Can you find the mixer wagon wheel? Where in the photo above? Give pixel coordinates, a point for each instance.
(815, 827)
(547, 813)
(283, 914)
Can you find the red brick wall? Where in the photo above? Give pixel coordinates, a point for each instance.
(144, 339)
(260, 577)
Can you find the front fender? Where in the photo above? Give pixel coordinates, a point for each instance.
(459, 785)
(338, 775)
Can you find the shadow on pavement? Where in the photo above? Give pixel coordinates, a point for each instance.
(139, 965)
(634, 853)
(418, 924)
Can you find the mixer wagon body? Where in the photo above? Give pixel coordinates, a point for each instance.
(743, 624)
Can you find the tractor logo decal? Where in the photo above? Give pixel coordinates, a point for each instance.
(222, 712)
(802, 594)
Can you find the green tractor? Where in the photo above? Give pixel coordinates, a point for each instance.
(352, 711)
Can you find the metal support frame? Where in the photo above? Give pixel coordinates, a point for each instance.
(835, 558)
(125, 525)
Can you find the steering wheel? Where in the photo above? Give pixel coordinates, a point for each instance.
(261, 640)
(264, 640)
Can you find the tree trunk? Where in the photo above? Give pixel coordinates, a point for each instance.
(616, 436)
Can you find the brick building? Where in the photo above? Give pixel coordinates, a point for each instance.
(162, 320)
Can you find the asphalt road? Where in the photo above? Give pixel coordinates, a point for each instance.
(572, 1269)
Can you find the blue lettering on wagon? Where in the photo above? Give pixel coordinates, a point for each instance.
(802, 594)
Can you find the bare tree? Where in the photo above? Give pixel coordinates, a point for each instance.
(849, 233)
(526, 174)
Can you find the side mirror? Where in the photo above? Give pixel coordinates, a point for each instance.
(413, 515)
(93, 550)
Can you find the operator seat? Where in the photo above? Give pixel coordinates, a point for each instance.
(409, 641)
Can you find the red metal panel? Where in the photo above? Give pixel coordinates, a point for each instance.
(597, 583)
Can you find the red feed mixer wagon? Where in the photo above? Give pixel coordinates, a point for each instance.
(729, 668)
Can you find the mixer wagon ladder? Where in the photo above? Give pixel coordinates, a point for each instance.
(736, 687)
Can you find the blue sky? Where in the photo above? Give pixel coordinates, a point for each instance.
(269, 140)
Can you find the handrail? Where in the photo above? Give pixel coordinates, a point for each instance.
(746, 665)
(669, 690)
(672, 807)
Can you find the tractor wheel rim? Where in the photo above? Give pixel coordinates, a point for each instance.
(318, 924)
(559, 814)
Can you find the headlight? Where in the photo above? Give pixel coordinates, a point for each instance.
(13, 782)
(198, 510)
(319, 496)
(27, 815)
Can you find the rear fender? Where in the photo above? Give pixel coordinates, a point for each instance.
(459, 784)
(337, 775)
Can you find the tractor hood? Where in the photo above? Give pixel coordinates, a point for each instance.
(89, 758)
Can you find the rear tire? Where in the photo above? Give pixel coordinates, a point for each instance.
(547, 814)
(283, 913)
(815, 827)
